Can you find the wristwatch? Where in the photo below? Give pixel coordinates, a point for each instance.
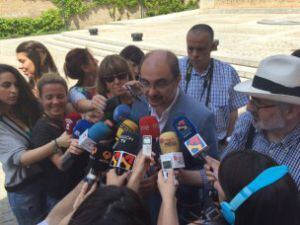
(55, 148)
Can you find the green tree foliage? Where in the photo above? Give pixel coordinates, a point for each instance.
(53, 20)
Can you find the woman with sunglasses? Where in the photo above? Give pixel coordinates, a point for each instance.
(113, 73)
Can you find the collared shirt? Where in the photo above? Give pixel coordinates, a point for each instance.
(162, 120)
(286, 152)
(223, 99)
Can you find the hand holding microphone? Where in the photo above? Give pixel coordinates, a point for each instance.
(98, 102)
(116, 180)
(64, 140)
(77, 127)
(134, 88)
(74, 148)
(140, 166)
(167, 187)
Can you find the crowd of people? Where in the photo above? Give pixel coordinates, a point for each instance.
(249, 173)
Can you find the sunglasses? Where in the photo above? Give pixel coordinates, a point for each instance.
(119, 76)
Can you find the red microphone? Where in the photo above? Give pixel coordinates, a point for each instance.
(149, 126)
(150, 132)
(70, 121)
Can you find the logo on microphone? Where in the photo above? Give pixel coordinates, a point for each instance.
(123, 160)
(195, 144)
(184, 128)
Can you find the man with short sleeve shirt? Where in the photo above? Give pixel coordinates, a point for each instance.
(211, 81)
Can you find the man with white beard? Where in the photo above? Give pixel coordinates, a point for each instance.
(271, 124)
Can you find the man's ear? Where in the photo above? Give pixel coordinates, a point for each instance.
(215, 45)
(292, 112)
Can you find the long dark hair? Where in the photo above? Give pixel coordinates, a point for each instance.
(39, 55)
(74, 60)
(275, 204)
(112, 205)
(27, 108)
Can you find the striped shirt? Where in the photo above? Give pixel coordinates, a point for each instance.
(223, 99)
(286, 152)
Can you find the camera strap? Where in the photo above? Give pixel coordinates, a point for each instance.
(207, 81)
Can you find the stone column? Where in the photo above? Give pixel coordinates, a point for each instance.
(206, 4)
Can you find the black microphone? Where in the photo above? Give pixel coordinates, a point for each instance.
(99, 160)
(125, 151)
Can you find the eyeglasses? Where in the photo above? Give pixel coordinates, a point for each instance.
(111, 78)
(158, 85)
(257, 106)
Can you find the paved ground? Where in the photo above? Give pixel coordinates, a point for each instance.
(242, 40)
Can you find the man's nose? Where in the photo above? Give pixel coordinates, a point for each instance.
(152, 91)
(194, 54)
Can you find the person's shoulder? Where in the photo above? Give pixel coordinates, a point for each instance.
(193, 106)
(41, 122)
(221, 64)
(43, 126)
(244, 120)
(182, 61)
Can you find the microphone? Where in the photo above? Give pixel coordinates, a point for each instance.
(89, 138)
(69, 158)
(149, 130)
(99, 160)
(171, 158)
(121, 113)
(126, 125)
(190, 137)
(125, 152)
(80, 127)
(70, 121)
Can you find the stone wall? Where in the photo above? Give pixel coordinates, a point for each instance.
(102, 15)
(223, 4)
(24, 8)
(96, 16)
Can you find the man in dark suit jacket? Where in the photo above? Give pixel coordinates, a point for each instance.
(160, 77)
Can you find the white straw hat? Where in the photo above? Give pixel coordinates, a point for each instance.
(277, 78)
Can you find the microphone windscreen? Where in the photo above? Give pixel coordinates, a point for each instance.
(99, 131)
(121, 113)
(184, 128)
(127, 125)
(149, 126)
(80, 127)
(70, 121)
(168, 142)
